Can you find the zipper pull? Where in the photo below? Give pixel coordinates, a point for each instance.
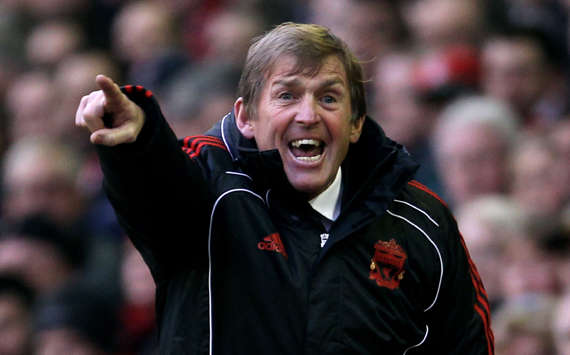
(324, 238)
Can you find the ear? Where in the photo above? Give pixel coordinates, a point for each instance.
(245, 125)
(356, 129)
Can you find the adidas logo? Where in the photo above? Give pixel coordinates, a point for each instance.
(273, 243)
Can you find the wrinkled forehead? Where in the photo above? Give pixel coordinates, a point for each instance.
(290, 66)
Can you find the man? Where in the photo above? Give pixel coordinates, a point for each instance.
(472, 142)
(16, 313)
(561, 325)
(520, 67)
(292, 227)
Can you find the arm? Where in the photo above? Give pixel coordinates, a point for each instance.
(157, 192)
(461, 320)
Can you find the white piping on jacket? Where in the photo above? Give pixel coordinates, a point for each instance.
(419, 210)
(267, 198)
(436, 249)
(418, 344)
(239, 174)
(224, 136)
(210, 257)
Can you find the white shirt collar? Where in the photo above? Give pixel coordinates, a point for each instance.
(327, 202)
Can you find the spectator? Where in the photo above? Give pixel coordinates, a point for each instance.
(444, 75)
(523, 327)
(41, 9)
(76, 319)
(229, 33)
(372, 29)
(72, 78)
(200, 96)
(16, 313)
(559, 138)
(437, 24)
(530, 268)
(556, 242)
(402, 115)
(472, 141)
(489, 225)
(145, 40)
(40, 252)
(548, 17)
(29, 104)
(518, 68)
(561, 326)
(137, 316)
(538, 177)
(40, 176)
(50, 42)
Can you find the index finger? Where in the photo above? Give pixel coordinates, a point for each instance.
(111, 90)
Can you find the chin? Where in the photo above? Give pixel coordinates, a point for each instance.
(311, 188)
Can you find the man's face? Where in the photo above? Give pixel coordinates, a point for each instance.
(307, 119)
(472, 162)
(514, 71)
(15, 325)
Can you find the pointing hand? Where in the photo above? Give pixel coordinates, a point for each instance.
(110, 116)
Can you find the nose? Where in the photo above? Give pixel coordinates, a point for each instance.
(307, 114)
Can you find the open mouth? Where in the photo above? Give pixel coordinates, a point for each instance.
(307, 150)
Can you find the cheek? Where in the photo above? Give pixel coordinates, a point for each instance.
(271, 129)
(265, 137)
(342, 135)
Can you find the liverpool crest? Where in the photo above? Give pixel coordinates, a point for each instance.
(387, 264)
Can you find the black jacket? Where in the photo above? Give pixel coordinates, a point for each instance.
(236, 252)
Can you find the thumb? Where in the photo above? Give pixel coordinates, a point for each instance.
(113, 136)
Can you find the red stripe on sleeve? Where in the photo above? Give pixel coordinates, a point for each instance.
(199, 147)
(476, 278)
(196, 146)
(481, 295)
(207, 138)
(488, 333)
(212, 140)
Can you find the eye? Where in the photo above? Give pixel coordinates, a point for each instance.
(328, 99)
(285, 96)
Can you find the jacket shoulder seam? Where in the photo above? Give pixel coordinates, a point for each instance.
(419, 186)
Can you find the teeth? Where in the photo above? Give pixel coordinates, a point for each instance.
(297, 143)
(313, 158)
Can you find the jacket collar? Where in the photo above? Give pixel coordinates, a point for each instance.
(377, 168)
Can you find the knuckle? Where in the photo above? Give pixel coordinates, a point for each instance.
(110, 140)
(131, 134)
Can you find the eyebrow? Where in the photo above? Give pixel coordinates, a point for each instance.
(333, 81)
(286, 82)
(296, 82)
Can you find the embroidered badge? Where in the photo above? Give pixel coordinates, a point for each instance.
(387, 264)
(273, 243)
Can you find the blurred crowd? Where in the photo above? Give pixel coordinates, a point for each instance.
(477, 90)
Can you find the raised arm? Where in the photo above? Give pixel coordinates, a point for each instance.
(158, 192)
